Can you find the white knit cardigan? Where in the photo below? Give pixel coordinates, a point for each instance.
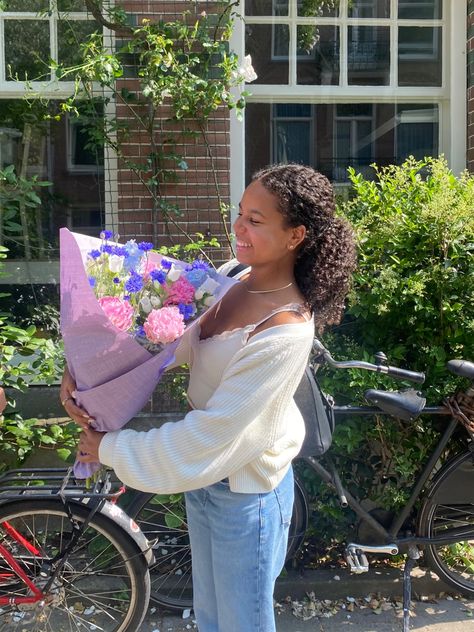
(249, 431)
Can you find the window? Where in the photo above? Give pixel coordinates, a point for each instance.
(32, 138)
(349, 83)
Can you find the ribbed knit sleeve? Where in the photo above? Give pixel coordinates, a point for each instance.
(244, 417)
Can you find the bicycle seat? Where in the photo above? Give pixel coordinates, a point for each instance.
(406, 404)
(462, 368)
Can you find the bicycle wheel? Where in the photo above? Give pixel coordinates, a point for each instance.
(104, 584)
(162, 518)
(448, 509)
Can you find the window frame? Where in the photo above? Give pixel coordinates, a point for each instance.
(450, 96)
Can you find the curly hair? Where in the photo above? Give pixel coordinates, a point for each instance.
(327, 257)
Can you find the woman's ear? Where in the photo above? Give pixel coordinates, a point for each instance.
(298, 234)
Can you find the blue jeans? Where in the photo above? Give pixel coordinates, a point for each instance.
(238, 546)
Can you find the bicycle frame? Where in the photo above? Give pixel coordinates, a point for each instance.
(390, 534)
(38, 594)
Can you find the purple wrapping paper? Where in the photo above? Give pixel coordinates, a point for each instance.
(115, 375)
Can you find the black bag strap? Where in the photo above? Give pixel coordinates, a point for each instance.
(239, 267)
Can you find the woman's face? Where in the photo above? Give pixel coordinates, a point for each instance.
(260, 230)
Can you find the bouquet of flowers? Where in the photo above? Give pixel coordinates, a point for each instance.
(149, 296)
(124, 309)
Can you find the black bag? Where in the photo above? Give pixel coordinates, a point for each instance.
(318, 415)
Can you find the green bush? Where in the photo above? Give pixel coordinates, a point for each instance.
(25, 358)
(413, 298)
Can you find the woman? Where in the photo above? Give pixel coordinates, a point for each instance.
(232, 452)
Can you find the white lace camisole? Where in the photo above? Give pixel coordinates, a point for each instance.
(210, 357)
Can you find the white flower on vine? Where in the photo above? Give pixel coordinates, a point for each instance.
(246, 71)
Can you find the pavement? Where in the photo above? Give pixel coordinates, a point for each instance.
(337, 601)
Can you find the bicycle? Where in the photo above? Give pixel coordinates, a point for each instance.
(445, 517)
(70, 558)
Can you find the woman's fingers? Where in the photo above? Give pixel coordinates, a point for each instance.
(88, 448)
(78, 414)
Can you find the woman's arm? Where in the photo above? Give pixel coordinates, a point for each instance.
(241, 420)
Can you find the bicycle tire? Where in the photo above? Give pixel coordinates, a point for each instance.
(104, 584)
(449, 504)
(163, 519)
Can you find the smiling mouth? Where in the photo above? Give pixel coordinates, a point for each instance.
(242, 244)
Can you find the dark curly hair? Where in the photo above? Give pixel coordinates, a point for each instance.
(327, 257)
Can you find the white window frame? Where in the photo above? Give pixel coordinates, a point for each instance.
(353, 133)
(450, 96)
(299, 119)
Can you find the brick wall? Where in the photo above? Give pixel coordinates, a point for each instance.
(191, 198)
(470, 86)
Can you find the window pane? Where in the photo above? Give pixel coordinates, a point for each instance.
(328, 8)
(335, 137)
(419, 48)
(318, 55)
(24, 5)
(291, 141)
(420, 9)
(368, 61)
(369, 9)
(42, 148)
(70, 36)
(269, 47)
(27, 50)
(266, 7)
(417, 131)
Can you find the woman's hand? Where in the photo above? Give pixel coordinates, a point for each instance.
(88, 448)
(66, 393)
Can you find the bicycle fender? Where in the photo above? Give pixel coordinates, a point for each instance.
(454, 483)
(118, 515)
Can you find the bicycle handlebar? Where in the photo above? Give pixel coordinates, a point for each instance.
(321, 353)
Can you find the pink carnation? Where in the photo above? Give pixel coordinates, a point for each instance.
(119, 312)
(182, 291)
(164, 325)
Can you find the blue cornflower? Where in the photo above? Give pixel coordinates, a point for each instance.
(94, 254)
(166, 264)
(199, 264)
(158, 275)
(145, 246)
(106, 234)
(108, 249)
(140, 331)
(116, 280)
(92, 281)
(134, 283)
(120, 251)
(187, 311)
(126, 297)
(196, 277)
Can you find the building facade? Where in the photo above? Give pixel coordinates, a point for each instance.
(339, 83)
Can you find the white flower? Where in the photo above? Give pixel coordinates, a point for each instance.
(174, 273)
(247, 71)
(155, 301)
(146, 304)
(209, 300)
(116, 263)
(198, 295)
(208, 287)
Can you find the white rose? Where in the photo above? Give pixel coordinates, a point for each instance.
(116, 263)
(174, 273)
(198, 295)
(146, 304)
(155, 301)
(246, 71)
(208, 287)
